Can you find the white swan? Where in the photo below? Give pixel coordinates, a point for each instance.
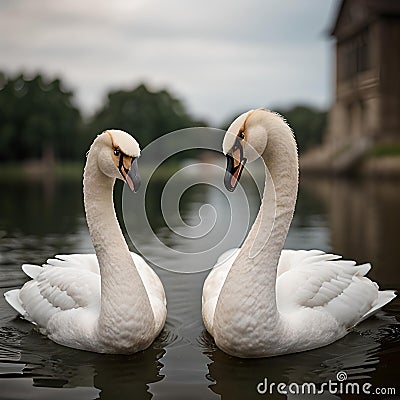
(108, 302)
(277, 302)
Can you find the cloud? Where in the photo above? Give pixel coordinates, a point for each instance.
(219, 57)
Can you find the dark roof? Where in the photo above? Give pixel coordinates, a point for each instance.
(374, 7)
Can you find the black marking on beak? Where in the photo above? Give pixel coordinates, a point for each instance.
(233, 173)
(121, 165)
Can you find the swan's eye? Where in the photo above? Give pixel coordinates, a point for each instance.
(116, 152)
(241, 135)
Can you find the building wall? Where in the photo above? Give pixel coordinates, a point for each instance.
(367, 99)
(366, 108)
(390, 78)
(357, 81)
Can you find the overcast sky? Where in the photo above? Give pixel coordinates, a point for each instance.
(219, 57)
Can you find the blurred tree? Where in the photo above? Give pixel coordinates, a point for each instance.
(37, 119)
(308, 124)
(145, 114)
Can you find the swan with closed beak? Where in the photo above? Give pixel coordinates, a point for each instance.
(108, 302)
(272, 301)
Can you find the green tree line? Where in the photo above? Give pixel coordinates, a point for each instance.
(39, 119)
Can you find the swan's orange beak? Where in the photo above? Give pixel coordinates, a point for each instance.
(235, 165)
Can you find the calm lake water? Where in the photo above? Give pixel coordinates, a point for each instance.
(38, 219)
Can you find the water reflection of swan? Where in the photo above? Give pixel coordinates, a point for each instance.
(41, 368)
(125, 310)
(263, 302)
(358, 354)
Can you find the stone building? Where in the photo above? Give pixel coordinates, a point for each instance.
(366, 107)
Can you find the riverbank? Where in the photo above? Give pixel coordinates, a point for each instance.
(361, 159)
(39, 171)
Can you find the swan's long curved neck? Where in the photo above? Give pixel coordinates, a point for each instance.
(250, 284)
(124, 300)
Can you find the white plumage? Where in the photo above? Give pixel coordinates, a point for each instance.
(274, 301)
(108, 302)
(309, 279)
(72, 282)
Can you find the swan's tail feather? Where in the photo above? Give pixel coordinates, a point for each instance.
(12, 298)
(363, 269)
(384, 297)
(32, 270)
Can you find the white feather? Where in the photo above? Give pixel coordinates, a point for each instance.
(324, 282)
(279, 301)
(115, 306)
(72, 282)
(309, 279)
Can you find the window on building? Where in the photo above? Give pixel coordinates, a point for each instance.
(354, 57)
(362, 52)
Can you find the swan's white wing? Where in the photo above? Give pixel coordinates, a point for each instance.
(73, 282)
(56, 289)
(286, 260)
(314, 279)
(63, 283)
(154, 289)
(63, 299)
(89, 262)
(79, 261)
(213, 285)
